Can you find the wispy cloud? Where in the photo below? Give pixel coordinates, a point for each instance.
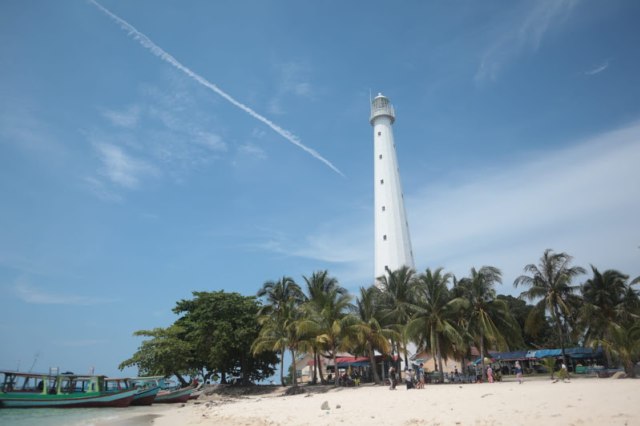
(524, 31)
(21, 126)
(583, 200)
(598, 69)
(33, 295)
(147, 43)
(121, 168)
(290, 82)
(127, 118)
(101, 190)
(252, 150)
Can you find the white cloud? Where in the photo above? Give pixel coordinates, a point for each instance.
(582, 200)
(598, 69)
(525, 30)
(121, 168)
(30, 294)
(127, 118)
(578, 200)
(252, 150)
(210, 140)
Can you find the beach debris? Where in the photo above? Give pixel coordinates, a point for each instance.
(486, 394)
(338, 405)
(325, 405)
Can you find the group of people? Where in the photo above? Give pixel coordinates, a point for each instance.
(418, 382)
(413, 379)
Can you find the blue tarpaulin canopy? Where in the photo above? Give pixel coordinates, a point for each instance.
(545, 353)
(584, 352)
(577, 353)
(510, 356)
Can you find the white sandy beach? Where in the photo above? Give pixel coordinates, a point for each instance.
(583, 401)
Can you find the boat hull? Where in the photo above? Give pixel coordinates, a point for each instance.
(98, 399)
(146, 396)
(169, 397)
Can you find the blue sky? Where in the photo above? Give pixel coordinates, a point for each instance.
(129, 179)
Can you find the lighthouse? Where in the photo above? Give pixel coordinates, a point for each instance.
(392, 241)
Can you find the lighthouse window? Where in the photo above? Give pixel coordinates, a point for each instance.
(380, 156)
(381, 181)
(383, 208)
(384, 237)
(379, 133)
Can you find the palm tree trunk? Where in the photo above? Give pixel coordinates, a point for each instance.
(484, 372)
(372, 361)
(439, 359)
(320, 368)
(315, 367)
(293, 367)
(282, 369)
(335, 366)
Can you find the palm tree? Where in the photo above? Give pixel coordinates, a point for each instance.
(328, 312)
(278, 316)
(397, 300)
(550, 281)
(279, 293)
(370, 331)
(624, 343)
(609, 302)
(489, 319)
(434, 308)
(279, 333)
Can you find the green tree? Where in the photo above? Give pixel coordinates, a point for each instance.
(624, 343)
(434, 317)
(222, 327)
(328, 312)
(536, 330)
(550, 283)
(166, 353)
(370, 331)
(607, 304)
(397, 302)
(278, 318)
(489, 319)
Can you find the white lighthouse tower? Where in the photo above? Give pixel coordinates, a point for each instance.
(392, 242)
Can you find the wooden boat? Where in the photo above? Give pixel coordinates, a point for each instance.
(168, 393)
(146, 393)
(33, 390)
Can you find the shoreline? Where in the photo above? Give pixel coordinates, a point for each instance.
(582, 401)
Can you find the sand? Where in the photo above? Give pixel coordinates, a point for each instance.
(583, 401)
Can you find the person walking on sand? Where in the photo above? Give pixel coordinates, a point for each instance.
(564, 373)
(490, 374)
(519, 372)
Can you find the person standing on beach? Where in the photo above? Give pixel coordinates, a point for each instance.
(519, 372)
(420, 384)
(564, 373)
(392, 378)
(490, 374)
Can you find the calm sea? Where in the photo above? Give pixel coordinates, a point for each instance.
(134, 416)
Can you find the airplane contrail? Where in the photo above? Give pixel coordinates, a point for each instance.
(162, 54)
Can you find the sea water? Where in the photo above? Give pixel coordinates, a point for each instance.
(74, 416)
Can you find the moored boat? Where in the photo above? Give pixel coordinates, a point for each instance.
(146, 393)
(33, 390)
(168, 393)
